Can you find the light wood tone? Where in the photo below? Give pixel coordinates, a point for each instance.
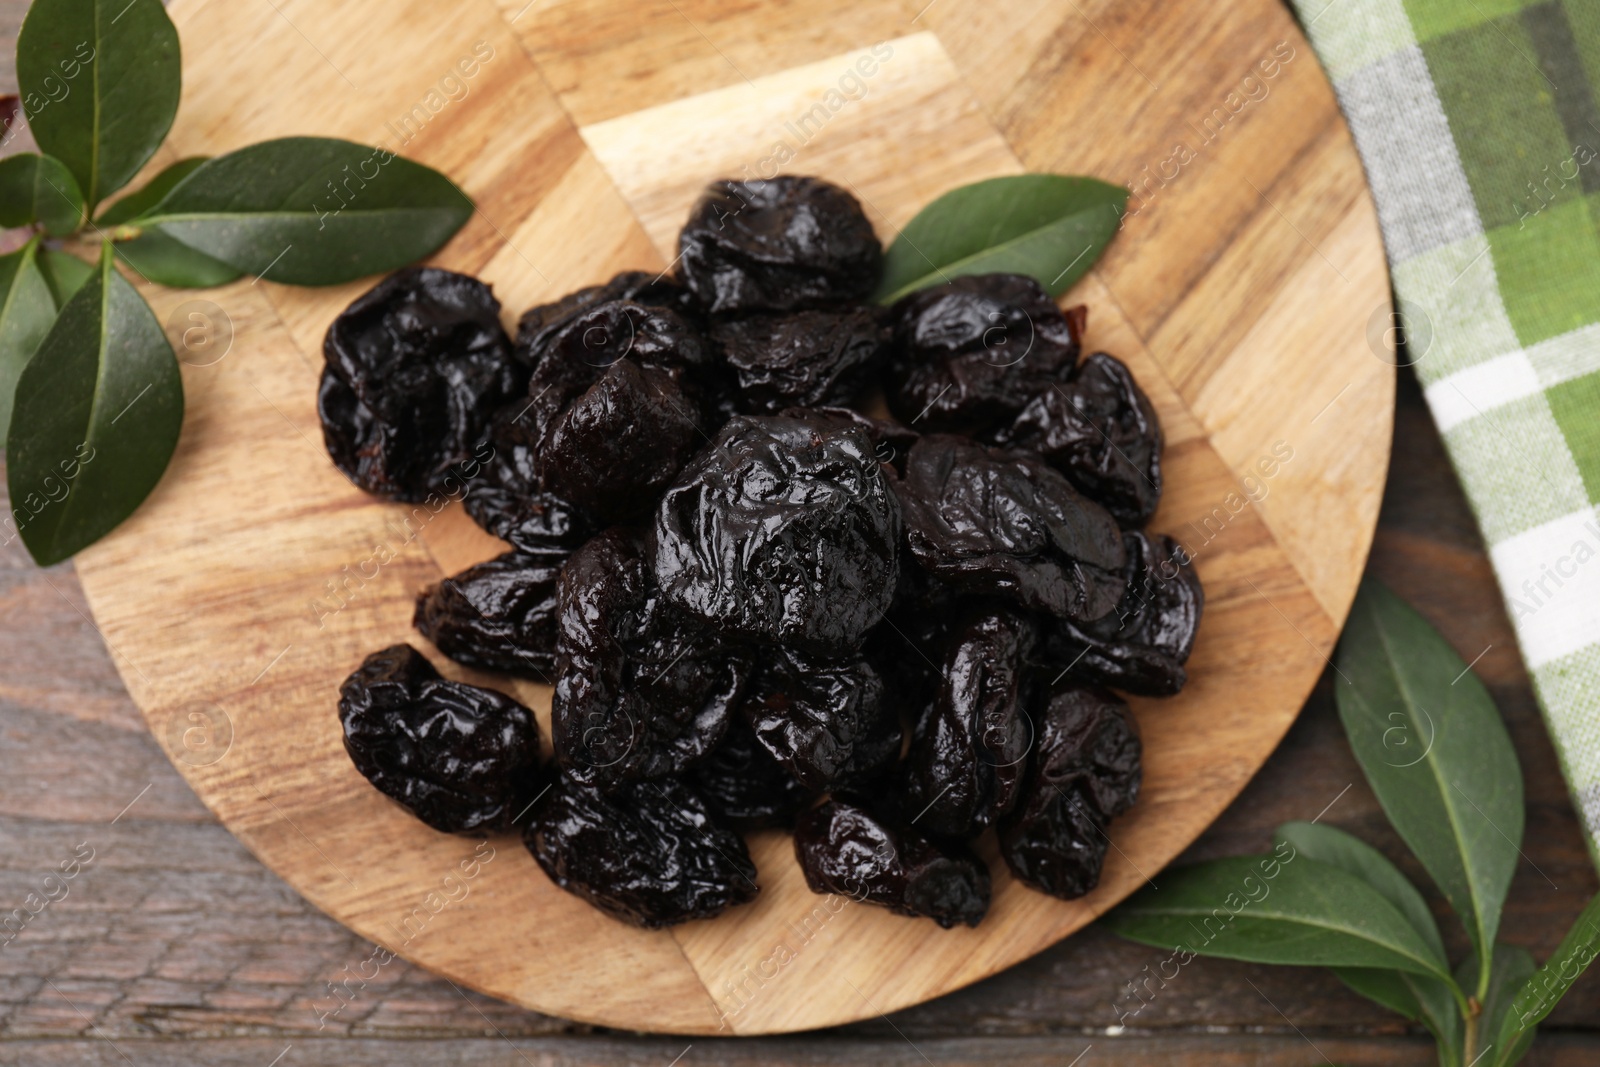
(1239, 293)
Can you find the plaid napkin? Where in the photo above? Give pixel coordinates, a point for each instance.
(1479, 127)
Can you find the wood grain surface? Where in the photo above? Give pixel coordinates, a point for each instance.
(180, 941)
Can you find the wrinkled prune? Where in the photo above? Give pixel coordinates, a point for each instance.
(971, 353)
(1101, 431)
(459, 757)
(649, 854)
(508, 500)
(500, 614)
(968, 759)
(1086, 769)
(641, 287)
(642, 690)
(1005, 524)
(828, 723)
(744, 786)
(843, 848)
(414, 369)
(783, 529)
(803, 358)
(1142, 646)
(778, 244)
(891, 442)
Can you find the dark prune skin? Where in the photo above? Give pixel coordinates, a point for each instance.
(1086, 770)
(1101, 431)
(642, 690)
(969, 757)
(458, 757)
(641, 287)
(829, 723)
(508, 500)
(802, 358)
(969, 355)
(891, 441)
(844, 848)
(414, 368)
(649, 854)
(1005, 524)
(777, 244)
(744, 786)
(1140, 647)
(613, 414)
(782, 530)
(499, 615)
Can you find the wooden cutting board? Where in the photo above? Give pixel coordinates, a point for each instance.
(1247, 290)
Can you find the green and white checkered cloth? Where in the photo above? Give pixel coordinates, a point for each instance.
(1479, 128)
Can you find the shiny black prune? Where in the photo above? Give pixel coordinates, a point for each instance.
(891, 441)
(1142, 646)
(1086, 770)
(744, 786)
(969, 756)
(508, 499)
(1005, 524)
(500, 614)
(778, 244)
(649, 854)
(459, 757)
(613, 412)
(828, 722)
(1101, 431)
(802, 358)
(414, 369)
(642, 690)
(843, 848)
(641, 287)
(970, 354)
(783, 529)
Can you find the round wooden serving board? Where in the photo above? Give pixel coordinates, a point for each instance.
(1241, 290)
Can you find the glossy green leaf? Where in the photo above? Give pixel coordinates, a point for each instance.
(155, 255)
(97, 415)
(1432, 746)
(1306, 913)
(100, 82)
(35, 188)
(311, 211)
(1049, 226)
(64, 273)
(1539, 994)
(26, 314)
(150, 193)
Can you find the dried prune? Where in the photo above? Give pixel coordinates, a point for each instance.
(783, 529)
(642, 690)
(649, 854)
(969, 756)
(1005, 524)
(415, 367)
(500, 614)
(1101, 431)
(508, 499)
(843, 848)
(778, 244)
(1142, 645)
(744, 786)
(641, 287)
(891, 441)
(802, 358)
(828, 722)
(459, 757)
(1086, 769)
(969, 354)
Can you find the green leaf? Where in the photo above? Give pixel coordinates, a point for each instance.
(97, 415)
(100, 83)
(1432, 746)
(311, 210)
(65, 274)
(1049, 226)
(1388, 988)
(1538, 995)
(155, 255)
(1510, 967)
(26, 313)
(35, 188)
(1275, 910)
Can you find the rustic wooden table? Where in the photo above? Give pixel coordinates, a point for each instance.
(174, 946)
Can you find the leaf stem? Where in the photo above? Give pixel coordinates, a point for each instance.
(1469, 1043)
(125, 232)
